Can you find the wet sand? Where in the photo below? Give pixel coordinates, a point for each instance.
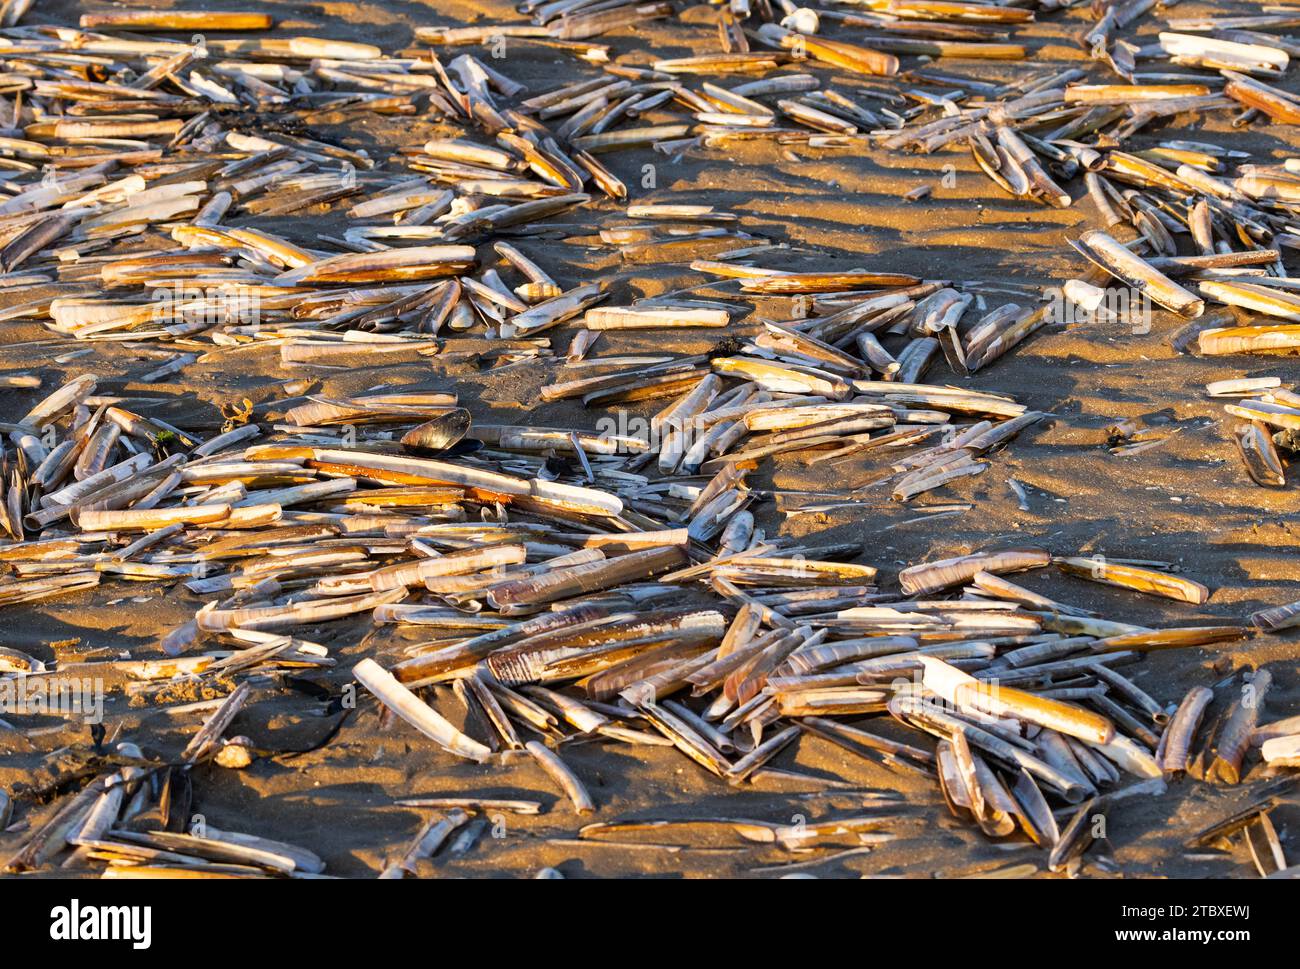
(1188, 501)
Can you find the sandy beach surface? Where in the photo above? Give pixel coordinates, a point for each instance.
(1188, 502)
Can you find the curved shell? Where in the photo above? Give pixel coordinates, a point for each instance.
(438, 434)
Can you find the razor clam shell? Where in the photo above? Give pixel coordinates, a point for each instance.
(420, 715)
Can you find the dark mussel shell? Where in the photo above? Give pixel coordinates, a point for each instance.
(439, 434)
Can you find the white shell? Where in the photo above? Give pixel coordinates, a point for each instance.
(803, 21)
